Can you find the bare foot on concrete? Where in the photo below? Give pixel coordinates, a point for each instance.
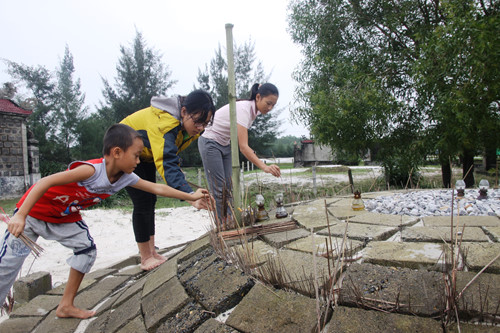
(70, 311)
(150, 263)
(160, 257)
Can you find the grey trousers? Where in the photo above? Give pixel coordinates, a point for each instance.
(74, 236)
(217, 164)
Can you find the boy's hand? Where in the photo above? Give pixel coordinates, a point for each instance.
(203, 200)
(16, 225)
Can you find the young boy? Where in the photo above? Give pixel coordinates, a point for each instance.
(50, 209)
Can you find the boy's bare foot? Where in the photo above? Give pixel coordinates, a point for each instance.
(70, 311)
(150, 263)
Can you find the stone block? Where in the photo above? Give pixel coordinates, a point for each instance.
(32, 285)
(478, 255)
(493, 232)
(59, 290)
(411, 255)
(159, 276)
(219, 287)
(187, 319)
(305, 245)
(384, 219)
(99, 292)
(361, 232)
(163, 302)
(402, 290)
(118, 317)
(194, 248)
(481, 298)
(469, 221)
(254, 253)
(313, 215)
(356, 320)
(214, 326)
(134, 326)
(268, 310)
(280, 239)
(53, 324)
(440, 234)
(40, 306)
(19, 325)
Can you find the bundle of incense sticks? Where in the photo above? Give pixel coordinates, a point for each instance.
(37, 249)
(257, 230)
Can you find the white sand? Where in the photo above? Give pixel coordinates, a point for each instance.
(114, 237)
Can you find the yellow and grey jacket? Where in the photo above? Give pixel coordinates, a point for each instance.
(160, 128)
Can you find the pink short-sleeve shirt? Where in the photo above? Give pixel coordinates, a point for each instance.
(220, 130)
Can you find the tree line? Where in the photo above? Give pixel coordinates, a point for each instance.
(66, 130)
(402, 79)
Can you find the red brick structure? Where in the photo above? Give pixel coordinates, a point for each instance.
(19, 159)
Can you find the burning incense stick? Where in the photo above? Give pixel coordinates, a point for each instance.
(37, 249)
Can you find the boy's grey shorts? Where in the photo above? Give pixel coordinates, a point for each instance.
(74, 235)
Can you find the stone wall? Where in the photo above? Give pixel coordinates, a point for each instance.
(310, 153)
(19, 161)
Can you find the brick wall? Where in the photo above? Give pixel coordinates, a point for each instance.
(19, 161)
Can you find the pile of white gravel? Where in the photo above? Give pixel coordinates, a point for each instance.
(437, 203)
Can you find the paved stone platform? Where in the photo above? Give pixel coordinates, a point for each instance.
(388, 268)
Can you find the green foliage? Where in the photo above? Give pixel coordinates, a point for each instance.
(140, 76)
(411, 73)
(57, 104)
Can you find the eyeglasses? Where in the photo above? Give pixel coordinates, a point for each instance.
(199, 125)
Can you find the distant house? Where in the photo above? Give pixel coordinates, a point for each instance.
(19, 159)
(308, 153)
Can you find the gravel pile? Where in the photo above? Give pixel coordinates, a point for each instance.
(436, 202)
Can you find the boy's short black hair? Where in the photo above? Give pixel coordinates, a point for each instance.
(119, 135)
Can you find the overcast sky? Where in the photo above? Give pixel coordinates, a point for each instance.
(185, 32)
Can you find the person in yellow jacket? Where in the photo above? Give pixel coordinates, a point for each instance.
(167, 127)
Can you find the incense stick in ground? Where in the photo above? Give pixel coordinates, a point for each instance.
(37, 249)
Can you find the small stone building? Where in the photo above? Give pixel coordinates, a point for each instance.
(308, 153)
(19, 158)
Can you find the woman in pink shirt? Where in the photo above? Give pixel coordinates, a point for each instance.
(215, 148)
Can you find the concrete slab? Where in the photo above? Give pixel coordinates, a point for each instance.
(402, 290)
(193, 248)
(282, 238)
(100, 273)
(384, 219)
(86, 283)
(218, 287)
(255, 252)
(39, 306)
(190, 269)
(355, 320)
(163, 302)
(481, 298)
(159, 276)
(440, 234)
(53, 324)
(267, 310)
(305, 245)
(411, 255)
(130, 261)
(133, 270)
(361, 232)
(478, 255)
(118, 317)
(313, 216)
(295, 270)
(28, 287)
(213, 326)
(100, 291)
(19, 325)
(493, 232)
(134, 326)
(469, 221)
(344, 212)
(186, 320)
(471, 328)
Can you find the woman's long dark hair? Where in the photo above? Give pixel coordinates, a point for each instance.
(263, 90)
(199, 104)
